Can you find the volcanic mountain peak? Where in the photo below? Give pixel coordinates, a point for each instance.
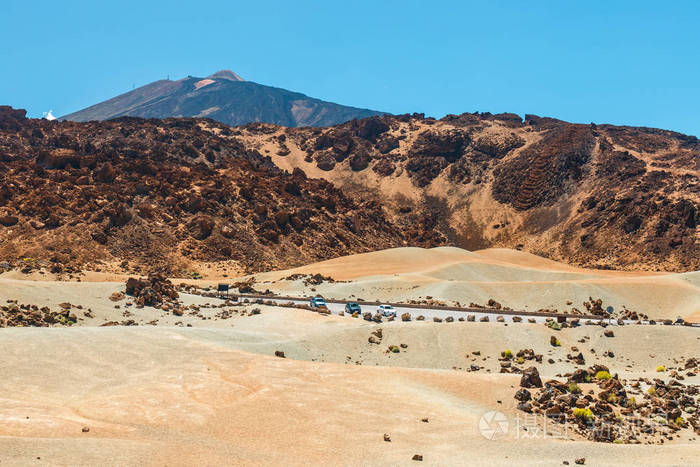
(223, 96)
(226, 74)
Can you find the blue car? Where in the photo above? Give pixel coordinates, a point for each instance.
(352, 307)
(317, 302)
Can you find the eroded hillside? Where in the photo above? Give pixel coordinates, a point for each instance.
(166, 194)
(593, 195)
(177, 193)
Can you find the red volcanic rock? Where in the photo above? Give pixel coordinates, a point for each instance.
(8, 221)
(11, 119)
(359, 162)
(531, 378)
(201, 227)
(370, 128)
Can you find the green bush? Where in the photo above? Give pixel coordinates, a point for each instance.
(507, 354)
(601, 375)
(574, 389)
(652, 391)
(632, 403)
(555, 326)
(618, 441)
(584, 414)
(520, 360)
(680, 421)
(660, 369)
(612, 398)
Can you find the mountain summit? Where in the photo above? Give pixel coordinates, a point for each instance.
(226, 74)
(223, 96)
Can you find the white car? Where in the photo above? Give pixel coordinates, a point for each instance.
(386, 310)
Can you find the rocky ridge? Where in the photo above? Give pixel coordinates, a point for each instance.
(593, 195)
(165, 195)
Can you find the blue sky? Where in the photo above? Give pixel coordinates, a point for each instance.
(635, 63)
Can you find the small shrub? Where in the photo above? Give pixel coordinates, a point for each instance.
(618, 441)
(652, 391)
(507, 354)
(661, 420)
(520, 360)
(680, 421)
(584, 414)
(587, 378)
(574, 389)
(632, 403)
(601, 375)
(660, 369)
(612, 398)
(555, 326)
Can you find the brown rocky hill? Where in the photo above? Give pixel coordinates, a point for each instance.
(167, 194)
(180, 192)
(593, 195)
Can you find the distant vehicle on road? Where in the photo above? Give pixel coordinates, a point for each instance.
(386, 310)
(352, 307)
(679, 320)
(317, 302)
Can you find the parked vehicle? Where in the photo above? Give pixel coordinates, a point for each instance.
(352, 307)
(386, 310)
(317, 302)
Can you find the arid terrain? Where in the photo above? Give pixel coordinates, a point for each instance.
(196, 379)
(593, 195)
(177, 193)
(501, 242)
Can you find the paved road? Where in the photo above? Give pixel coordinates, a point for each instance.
(430, 313)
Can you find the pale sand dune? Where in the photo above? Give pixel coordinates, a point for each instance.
(168, 396)
(515, 279)
(214, 394)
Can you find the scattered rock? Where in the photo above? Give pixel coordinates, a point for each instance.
(523, 395)
(531, 378)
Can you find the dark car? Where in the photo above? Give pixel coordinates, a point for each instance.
(352, 307)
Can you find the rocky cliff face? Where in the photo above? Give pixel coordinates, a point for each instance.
(601, 196)
(167, 195)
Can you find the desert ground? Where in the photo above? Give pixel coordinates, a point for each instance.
(205, 387)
